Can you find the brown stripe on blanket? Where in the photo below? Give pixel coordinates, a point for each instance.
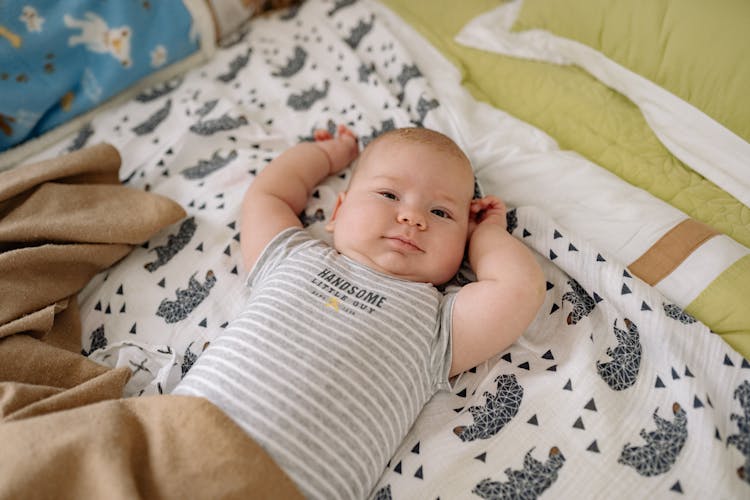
(671, 250)
(65, 432)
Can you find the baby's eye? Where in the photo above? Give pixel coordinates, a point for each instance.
(441, 213)
(388, 194)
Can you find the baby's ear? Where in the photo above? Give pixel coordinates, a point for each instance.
(332, 221)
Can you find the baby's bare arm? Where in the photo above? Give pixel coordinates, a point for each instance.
(491, 313)
(281, 190)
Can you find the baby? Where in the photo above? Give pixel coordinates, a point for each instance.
(339, 348)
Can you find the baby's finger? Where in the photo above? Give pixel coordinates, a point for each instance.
(344, 130)
(322, 135)
(478, 205)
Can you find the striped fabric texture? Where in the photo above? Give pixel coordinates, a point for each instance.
(329, 364)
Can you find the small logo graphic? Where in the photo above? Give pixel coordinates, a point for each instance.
(333, 303)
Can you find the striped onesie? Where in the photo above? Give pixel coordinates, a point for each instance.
(329, 364)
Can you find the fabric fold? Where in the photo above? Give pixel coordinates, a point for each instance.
(66, 431)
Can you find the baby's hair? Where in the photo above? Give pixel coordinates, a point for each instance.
(421, 135)
(418, 135)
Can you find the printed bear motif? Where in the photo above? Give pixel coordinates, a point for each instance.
(305, 100)
(364, 71)
(293, 65)
(175, 243)
(499, 409)
(153, 121)
(98, 37)
(308, 220)
(359, 32)
(423, 107)
(407, 73)
(385, 126)
(223, 123)
(160, 89)
(188, 360)
(98, 340)
(741, 440)
(511, 218)
(662, 446)
(582, 302)
(340, 4)
(176, 310)
(383, 493)
(235, 66)
(622, 371)
(675, 312)
(82, 137)
(206, 167)
(527, 483)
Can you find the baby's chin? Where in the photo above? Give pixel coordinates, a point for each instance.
(408, 273)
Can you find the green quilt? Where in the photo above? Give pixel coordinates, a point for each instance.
(578, 111)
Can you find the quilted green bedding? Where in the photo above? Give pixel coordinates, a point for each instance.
(584, 115)
(569, 104)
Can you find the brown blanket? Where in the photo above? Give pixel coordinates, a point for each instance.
(65, 432)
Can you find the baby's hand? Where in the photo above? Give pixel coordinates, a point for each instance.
(341, 150)
(489, 210)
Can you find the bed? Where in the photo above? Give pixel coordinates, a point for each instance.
(626, 173)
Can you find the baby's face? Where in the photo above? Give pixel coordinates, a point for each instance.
(406, 212)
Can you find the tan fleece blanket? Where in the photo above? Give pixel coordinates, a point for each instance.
(65, 432)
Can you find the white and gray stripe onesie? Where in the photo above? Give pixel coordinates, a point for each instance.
(329, 364)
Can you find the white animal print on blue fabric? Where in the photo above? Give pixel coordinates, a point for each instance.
(96, 36)
(67, 57)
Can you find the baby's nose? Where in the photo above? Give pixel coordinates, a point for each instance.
(412, 218)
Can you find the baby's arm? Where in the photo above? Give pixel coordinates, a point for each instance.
(281, 190)
(491, 313)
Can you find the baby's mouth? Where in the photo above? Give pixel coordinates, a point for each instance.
(404, 243)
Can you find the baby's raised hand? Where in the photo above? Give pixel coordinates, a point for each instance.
(489, 210)
(341, 150)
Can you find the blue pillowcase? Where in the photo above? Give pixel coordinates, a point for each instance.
(61, 58)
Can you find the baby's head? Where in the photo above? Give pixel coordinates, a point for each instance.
(406, 211)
